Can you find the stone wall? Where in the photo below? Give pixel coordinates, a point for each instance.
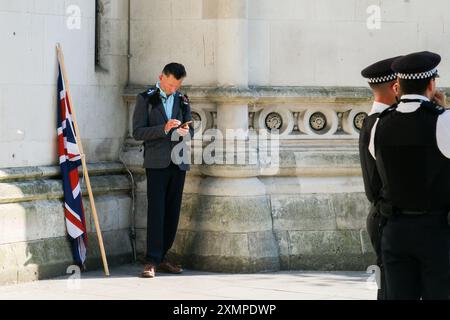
(29, 31)
(33, 243)
(308, 213)
(290, 42)
(295, 65)
(251, 64)
(33, 237)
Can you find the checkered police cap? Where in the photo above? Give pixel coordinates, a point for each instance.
(380, 71)
(417, 66)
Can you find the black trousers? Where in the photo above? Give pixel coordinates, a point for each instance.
(415, 253)
(375, 223)
(164, 195)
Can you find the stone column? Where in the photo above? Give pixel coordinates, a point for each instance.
(232, 60)
(229, 228)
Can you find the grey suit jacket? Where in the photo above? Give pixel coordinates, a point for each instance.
(149, 119)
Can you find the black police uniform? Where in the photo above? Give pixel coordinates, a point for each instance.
(414, 167)
(377, 73)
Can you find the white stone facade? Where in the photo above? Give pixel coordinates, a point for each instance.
(33, 241)
(290, 42)
(29, 32)
(249, 63)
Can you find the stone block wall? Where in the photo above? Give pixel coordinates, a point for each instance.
(309, 213)
(33, 237)
(251, 64)
(33, 243)
(30, 31)
(290, 42)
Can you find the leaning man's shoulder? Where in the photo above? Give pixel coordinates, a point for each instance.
(184, 97)
(149, 92)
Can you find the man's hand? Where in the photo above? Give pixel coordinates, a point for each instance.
(183, 131)
(172, 123)
(440, 99)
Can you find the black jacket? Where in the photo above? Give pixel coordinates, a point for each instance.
(149, 119)
(372, 181)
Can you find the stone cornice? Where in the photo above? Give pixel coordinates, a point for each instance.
(260, 94)
(24, 184)
(269, 94)
(49, 189)
(43, 172)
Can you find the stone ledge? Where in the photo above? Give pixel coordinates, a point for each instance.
(40, 172)
(307, 161)
(263, 94)
(268, 94)
(21, 191)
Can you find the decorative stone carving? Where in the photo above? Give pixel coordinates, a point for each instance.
(197, 120)
(273, 121)
(318, 121)
(358, 120)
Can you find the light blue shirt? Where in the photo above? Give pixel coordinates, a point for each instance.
(167, 101)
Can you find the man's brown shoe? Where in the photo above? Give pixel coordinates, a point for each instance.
(167, 267)
(149, 271)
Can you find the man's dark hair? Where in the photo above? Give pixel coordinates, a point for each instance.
(414, 86)
(175, 69)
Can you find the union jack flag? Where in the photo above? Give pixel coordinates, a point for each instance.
(69, 161)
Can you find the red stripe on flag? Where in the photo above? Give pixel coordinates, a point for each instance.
(73, 176)
(61, 150)
(77, 223)
(63, 108)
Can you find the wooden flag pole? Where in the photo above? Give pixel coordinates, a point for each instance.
(83, 160)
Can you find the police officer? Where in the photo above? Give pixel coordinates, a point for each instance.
(411, 144)
(383, 82)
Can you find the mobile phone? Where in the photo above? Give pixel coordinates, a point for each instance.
(185, 124)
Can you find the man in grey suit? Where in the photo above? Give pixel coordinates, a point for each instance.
(161, 119)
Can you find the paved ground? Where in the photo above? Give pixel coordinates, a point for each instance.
(191, 285)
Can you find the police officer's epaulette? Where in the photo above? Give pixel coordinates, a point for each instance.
(388, 110)
(432, 107)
